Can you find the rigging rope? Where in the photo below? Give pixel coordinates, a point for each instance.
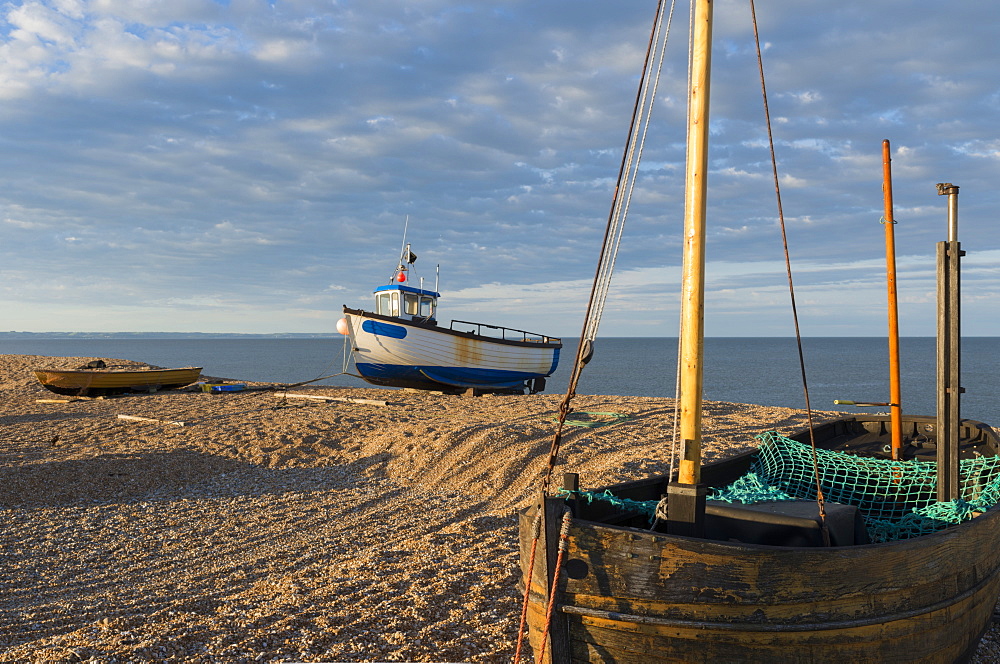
(627, 174)
(602, 279)
(630, 167)
(791, 287)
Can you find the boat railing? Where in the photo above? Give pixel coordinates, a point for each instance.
(506, 333)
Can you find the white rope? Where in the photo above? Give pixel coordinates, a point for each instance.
(630, 171)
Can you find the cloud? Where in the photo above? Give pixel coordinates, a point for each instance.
(278, 147)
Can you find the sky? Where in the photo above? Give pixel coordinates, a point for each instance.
(249, 166)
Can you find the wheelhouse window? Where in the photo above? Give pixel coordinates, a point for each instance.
(426, 307)
(382, 304)
(387, 304)
(410, 304)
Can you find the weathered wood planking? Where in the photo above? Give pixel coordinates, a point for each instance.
(652, 597)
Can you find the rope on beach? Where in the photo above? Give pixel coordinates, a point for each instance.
(284, 388)
(593, 424)
(315, 380)
(343, 372)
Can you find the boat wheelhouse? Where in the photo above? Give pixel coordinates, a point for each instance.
(406, 302)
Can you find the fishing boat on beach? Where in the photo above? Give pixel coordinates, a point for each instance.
(103, 380)
(401, 344)
(872, 538)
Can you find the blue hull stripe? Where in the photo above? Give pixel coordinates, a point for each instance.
(555, 361)
(384, 329)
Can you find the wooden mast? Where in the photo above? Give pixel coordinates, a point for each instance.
(895, 392)
(693, 286)
(686, 501)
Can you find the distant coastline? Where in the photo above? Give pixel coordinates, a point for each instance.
(164, 335)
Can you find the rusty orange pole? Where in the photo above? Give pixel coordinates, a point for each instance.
(895, 397)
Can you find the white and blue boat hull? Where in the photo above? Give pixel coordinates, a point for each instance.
(395, 352)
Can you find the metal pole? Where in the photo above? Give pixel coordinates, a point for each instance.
(951, 190)
(949, 388)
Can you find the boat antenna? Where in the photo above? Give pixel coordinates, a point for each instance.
(406, 223)
(402, 251)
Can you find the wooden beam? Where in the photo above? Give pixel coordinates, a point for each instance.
(320, 397)
(136, 418)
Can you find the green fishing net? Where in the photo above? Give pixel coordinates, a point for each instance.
(897, 499)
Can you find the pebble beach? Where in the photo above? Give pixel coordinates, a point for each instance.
(259, 526)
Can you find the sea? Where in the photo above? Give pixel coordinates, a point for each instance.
(756, 370)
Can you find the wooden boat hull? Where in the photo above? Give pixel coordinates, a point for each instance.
(926, 600)
(94, 382)
(629, 594)
(400, 353)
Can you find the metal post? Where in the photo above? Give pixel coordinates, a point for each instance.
(948, 351)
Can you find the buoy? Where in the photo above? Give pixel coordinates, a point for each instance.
(342, 327)
(401, 277)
